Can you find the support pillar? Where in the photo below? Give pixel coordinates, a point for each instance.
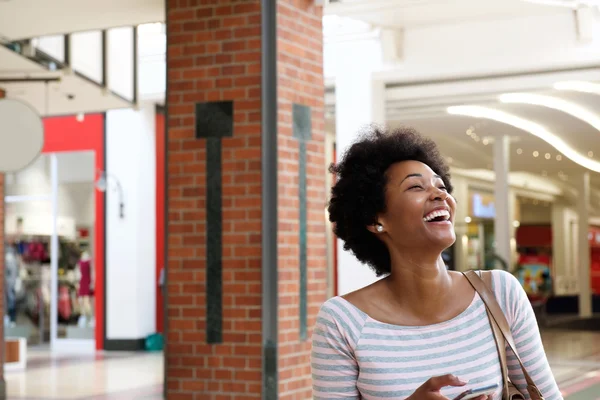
(561, 248)
(503, 221)
(246, 257)
(583, 246)
(359, 102)
(514, 213)
(461, 194)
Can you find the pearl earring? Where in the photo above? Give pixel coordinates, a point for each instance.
(380, 228)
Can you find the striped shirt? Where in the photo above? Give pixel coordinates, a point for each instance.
(357, 357)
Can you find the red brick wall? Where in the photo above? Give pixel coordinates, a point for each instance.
(300, 80)
(214, 53)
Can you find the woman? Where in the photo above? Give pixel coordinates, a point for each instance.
(421, 332)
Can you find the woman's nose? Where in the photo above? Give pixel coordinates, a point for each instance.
(439, 194)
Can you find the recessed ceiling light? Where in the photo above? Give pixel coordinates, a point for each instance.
(536, 153)
(485, 142)
(547, 156)
(516, 224)
(590, 154)
(470, 131)
(558, 157)
(468, 220)
(519, 151)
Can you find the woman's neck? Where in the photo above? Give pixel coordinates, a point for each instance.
(421, 286)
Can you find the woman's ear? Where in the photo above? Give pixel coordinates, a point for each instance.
(376, 228)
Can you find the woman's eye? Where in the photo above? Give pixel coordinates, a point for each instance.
(416, 187)
(443, 188)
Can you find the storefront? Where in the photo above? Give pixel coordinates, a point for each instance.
(480, 242)
(85, 234)
(54, 230)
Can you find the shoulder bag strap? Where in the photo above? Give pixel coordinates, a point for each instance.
(499, 339)
(498, 316)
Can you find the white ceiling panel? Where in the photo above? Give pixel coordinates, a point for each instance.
(407, 13)
(22, 19)
(71, 95)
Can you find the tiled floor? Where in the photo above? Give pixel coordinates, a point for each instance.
(574, 356)
(110, 376)
(575, 360)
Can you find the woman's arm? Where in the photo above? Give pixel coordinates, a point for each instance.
(525, 331)
(334, 368)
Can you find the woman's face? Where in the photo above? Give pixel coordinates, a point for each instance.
(419, 211)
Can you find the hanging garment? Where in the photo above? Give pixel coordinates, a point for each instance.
(85, 283)
(11, 275)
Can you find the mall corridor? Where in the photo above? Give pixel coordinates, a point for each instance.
(574, 357)
(172, 225)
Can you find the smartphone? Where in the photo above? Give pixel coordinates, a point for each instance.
(476, 392)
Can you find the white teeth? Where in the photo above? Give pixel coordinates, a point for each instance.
(435, 214)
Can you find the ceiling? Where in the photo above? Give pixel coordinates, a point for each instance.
(410, 13)
(70, 94)
(467, 142)
(23, 19)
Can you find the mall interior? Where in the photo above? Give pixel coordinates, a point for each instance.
(165, 179)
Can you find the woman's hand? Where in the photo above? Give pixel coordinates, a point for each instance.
(430, 390)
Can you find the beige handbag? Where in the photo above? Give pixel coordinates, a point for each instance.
(502, 335)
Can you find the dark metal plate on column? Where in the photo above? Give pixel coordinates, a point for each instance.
(214, 121)
(302, 132)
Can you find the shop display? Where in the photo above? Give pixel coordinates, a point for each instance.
(11, 278)
(27, 286)
(85, 291)
(534, 274)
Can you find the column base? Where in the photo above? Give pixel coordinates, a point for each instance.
(125, 344)
(2, 389)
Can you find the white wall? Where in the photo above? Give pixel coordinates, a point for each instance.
(75, 191)
(130, 247)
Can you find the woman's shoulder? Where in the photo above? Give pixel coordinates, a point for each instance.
(506, 280)
(340, 313)
(507, 289)
(337, 307)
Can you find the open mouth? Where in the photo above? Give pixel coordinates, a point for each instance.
(437, 216)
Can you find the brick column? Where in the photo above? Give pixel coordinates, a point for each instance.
(215, 341)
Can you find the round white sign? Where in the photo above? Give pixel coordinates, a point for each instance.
(21, 135)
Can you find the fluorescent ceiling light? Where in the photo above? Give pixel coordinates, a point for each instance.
(555, 103)
(578, 86)
(530, 127)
